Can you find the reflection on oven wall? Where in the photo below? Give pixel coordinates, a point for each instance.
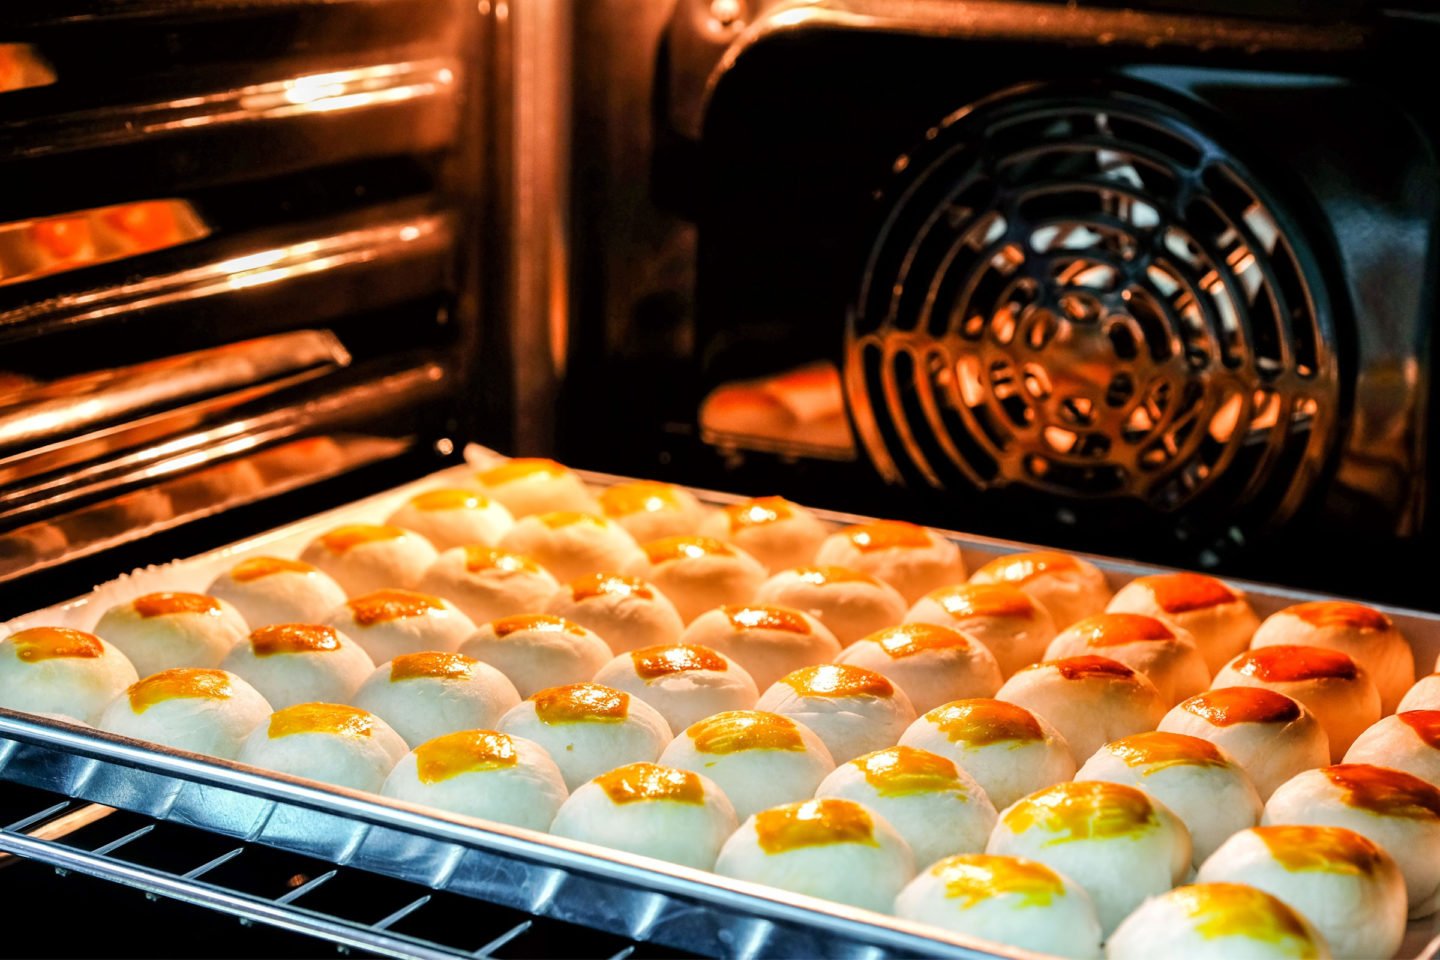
(1163, 294)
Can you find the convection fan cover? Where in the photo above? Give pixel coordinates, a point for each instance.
(1085, 295)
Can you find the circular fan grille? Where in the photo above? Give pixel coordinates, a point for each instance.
(1086, 296)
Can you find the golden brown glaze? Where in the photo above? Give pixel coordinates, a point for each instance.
(1184, 592)
(1425, 723)
(824, 576)
(257, 567)
(1019, 568)
(685, 547)
(1084, 810)
(756, 617)
(837, 680)
(163, 604)
(909, 639)
(293, 638)
(735, 731)
(887, 535)
(964, 600)
(973, 878)
(1231, 705)
(642, 496)
(651, 663)
(581, 703)
(332, 718)
(758, 512)
(1309, 849)
(537, 622)
(451, 498)
(1389, 793)
(905, 771)
(432, 664)
(980, 722)
(55, 643)
(521, 468)
(1116, 629)
(637, 782)
(610, 585)
(351, 535)
(558, 519)
(478, 558)
(1235, 910)
(1087, 667)
(1157, 750)
(382, 606)
(181, 683)
(466, 751)
(1336, 613)
(814, 823)
(1288, 664)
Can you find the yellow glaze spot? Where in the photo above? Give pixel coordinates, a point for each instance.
(980, 722)
(1234, 910)
(1157, 751)
(683, 548)
(610, 585)
(665, 659)
(534, 622)
(965, 600)
(767, 618)
(908, 639)
(449, 499)
(637, 782)
(1307, 849)
(521, 468)
(1425, 723)
(1231, 705)
(383, 606)
(569, 518)
(823, 576)
(1088, 667)
(478, 558)
(644, 496)
(837, 680)
(814, 823)
(55, 643)
(1285, 664)
(332, 718)
(887, 535)
(758, 512)
(1116, 629)
(181, 683)
(351, 535)
(432, 664)
(257, 567)
(1389, 793)
(974, 878)
(903, 771)
(466, 751)
(293, 638)
(161, 604)
(736, 731)
(1018, 568)
(1183, 592)
(581, 703)
(1336, 613)
(1089, 810)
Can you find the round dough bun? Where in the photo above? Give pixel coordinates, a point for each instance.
(1020, 903)
(1350, 889)
(363, 557)
(1010, 751)
(1425, 695)
(1197, 780)
(537, 651)
(760, 760)
(932, 664)
(683, 681)
(62, 671)
(1399, 812)
(487, 584)
(1272, 736)
(571, 545)
(851, 604)
(389, 623)
(1408, 741)
(778, 533)
(651, 510)
(270, 590)
(828, 847)
(855, 711)
(626, 612)
(938, 808)
(426, 695)
(159, 631)
(1070, 588)
(1166, 655)
(699, 573)
(911, 559)
(588, 729)
(1014, 627)
(292, 663)
(769, 642)
(1215, 921)
(200, 709)
(529, 485)
(1369, 637)
(1119, 843)
(654, 811)
(1329, 683)
(452, 517)
(484, 774)
(1215, 614)
(1090, 700)
(329, 742)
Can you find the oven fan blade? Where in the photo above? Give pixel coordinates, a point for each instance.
(1083, 295)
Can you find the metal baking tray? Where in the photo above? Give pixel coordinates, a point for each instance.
(619, 893)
